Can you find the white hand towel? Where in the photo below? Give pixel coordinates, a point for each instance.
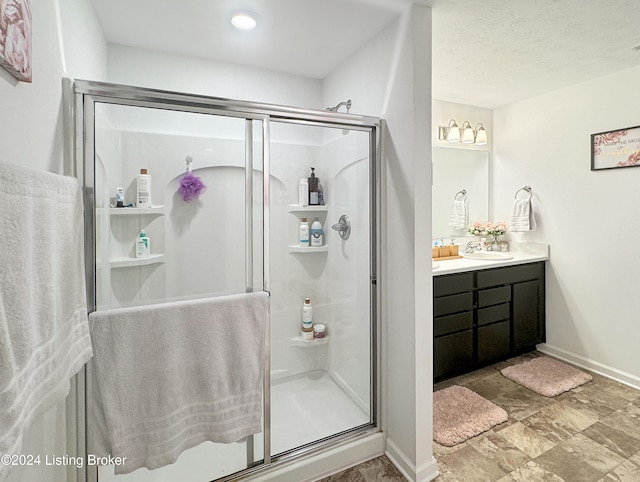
(171, 376)
(459, 217)
(522, 218)
(44, 332)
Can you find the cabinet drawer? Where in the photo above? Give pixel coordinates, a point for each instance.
(494, 296)
(453, 323)
(493, 341)
(452, 284)
(493, 313)
(448, 305)
(510, 274)
(452, 353)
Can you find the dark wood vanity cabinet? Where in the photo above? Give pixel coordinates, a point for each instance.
(484, 316)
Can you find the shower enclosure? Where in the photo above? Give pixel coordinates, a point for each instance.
(240, 235)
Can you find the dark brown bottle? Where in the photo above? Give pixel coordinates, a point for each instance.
(313, 188)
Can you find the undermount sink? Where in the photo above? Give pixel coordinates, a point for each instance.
(487, 255)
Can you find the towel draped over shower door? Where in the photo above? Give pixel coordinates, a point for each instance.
(171, 376)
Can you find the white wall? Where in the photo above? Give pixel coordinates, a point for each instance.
(32, 134)
(157, 70)
(589, 219)
(391, 78)
(31, 121)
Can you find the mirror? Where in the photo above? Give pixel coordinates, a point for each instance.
(455, 170)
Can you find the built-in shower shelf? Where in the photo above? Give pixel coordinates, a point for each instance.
(296, 248)
(297, 208)
(298, 341)
(136, 211)
(129, 262)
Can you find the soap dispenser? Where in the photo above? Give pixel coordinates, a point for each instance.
(314, 194)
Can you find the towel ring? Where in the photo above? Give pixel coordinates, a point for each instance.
(525, 188)
(463, 192)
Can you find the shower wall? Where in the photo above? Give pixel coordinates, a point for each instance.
(336, 281)
(202, 242)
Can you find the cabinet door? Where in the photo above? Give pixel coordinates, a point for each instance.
(526, 314)
(493, 341)
(452, 353)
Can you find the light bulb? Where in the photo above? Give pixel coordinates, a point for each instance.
(243, 21)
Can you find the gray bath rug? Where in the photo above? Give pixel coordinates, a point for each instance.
(460, 413)
(546, 376)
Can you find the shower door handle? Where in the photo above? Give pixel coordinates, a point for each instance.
(343, 226)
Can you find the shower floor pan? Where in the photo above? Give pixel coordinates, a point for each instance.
(305, 408)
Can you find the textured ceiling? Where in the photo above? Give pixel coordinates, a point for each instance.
(485, 52)
(494, 52)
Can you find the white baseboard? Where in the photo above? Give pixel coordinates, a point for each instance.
(425, 473)
(591, 365)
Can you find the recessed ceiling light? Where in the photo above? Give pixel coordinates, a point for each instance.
(244, 21)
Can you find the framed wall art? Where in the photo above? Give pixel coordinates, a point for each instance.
(15, 38)
(613, 149)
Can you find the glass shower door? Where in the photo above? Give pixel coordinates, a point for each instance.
(323, 387)
(203, 247)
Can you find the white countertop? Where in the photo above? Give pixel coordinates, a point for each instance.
(520, 252)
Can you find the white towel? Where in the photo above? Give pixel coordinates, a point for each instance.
(459, 217)
(44, 333)
(171, 376)
(522, 218)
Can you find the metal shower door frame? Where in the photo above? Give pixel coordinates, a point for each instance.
(83, 95)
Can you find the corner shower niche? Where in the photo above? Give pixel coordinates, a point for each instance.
(309, 212)
(126, 224)
(241, 235)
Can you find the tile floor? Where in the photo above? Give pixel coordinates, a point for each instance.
(591, 433)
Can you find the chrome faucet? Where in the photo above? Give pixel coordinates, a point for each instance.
(472, 246)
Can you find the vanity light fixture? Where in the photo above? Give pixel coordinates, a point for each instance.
(481, 135)
(451, 132)
(468, 136)
(244, 20)
(465, 134)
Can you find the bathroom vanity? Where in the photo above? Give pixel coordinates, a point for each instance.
(486, 311)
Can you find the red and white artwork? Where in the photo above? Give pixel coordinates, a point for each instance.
(15, 38)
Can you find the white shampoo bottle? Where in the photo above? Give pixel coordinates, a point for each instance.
(143, 196)
(304, 233)
(303, 192)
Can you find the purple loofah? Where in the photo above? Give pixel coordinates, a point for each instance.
(191, 187)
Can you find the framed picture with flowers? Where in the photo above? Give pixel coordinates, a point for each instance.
(15, 38)
(613, 149)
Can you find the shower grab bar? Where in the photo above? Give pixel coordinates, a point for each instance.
(524, 188)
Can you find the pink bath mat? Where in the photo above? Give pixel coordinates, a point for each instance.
(546, 376)
(460, 413)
